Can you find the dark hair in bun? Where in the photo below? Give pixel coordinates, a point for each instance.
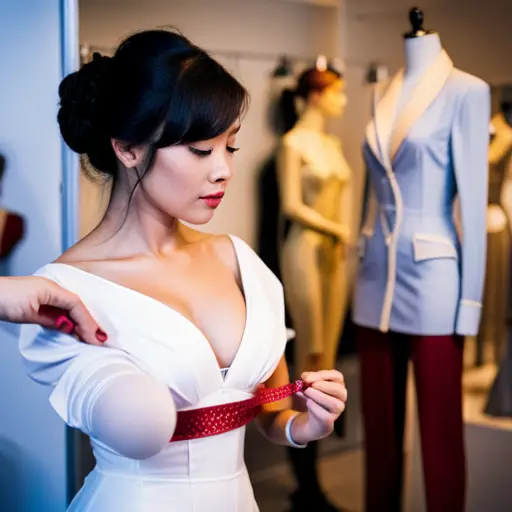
(79, 115)
(309, 81)
(157, 90)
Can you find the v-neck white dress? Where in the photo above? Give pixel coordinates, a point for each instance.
(201, 475)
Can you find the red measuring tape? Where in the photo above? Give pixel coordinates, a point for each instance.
(217, 419)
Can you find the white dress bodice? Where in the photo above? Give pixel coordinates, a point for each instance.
(201, 475)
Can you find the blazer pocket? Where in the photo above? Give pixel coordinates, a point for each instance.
(428, 247)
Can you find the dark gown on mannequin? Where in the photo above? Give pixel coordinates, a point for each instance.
(12, 233)
(12, 229)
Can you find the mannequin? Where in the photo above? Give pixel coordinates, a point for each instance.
(506, 150)
(419, 288)
(496, 299)
(12, 226)
(314, 186)
(493, 328)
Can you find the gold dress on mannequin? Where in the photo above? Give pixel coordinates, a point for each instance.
(493, 326)
(314, 266)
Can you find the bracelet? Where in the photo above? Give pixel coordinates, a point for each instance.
(288, 432)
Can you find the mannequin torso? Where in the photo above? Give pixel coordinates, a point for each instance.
(500, 168)
(500, 151)
(324, 173)
(493, 326)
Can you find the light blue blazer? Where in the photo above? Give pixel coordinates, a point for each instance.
(416, 275)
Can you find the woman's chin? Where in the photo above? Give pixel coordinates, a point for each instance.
(198, 219)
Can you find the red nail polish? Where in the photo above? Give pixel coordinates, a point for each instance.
(101, 336)
(64, 324)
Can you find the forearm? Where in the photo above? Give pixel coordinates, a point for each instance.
(311, 219)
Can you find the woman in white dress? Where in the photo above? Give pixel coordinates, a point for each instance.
(194, 320)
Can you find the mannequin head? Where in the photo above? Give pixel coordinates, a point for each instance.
(323, 90)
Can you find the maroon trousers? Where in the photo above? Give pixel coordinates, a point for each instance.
(437, 362)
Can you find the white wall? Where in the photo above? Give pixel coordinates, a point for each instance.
(32, 437)
(261, 26)
(241, 25)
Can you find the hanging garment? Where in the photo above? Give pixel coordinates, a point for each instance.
(12, 230)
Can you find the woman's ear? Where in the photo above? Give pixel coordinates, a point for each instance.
(130, 157)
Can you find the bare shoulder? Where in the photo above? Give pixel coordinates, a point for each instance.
(224, 248)
(219, 245)
(76, 255)
(83, 254)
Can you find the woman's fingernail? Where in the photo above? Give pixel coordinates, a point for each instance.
(64, 324)
(101, 336)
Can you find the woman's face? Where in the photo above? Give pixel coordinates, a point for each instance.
(333, 99)
(187, 182)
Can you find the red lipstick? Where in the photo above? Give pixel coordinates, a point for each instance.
(213, 200)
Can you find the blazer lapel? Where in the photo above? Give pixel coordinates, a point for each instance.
(379, 129)
(427, 90)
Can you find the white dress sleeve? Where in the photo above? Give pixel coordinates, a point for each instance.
(101, 391)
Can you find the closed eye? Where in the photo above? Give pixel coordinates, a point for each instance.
(200, 152)
(207, 152)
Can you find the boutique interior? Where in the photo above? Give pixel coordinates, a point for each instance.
(456, 55)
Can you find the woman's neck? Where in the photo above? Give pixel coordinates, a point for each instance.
(311, 119)
(139, 228)
(420, 52)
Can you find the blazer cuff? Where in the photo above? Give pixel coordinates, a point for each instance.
(468, 317)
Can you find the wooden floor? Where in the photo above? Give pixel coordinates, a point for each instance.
(341, 476)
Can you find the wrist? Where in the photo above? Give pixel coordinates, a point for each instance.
(297, 429)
